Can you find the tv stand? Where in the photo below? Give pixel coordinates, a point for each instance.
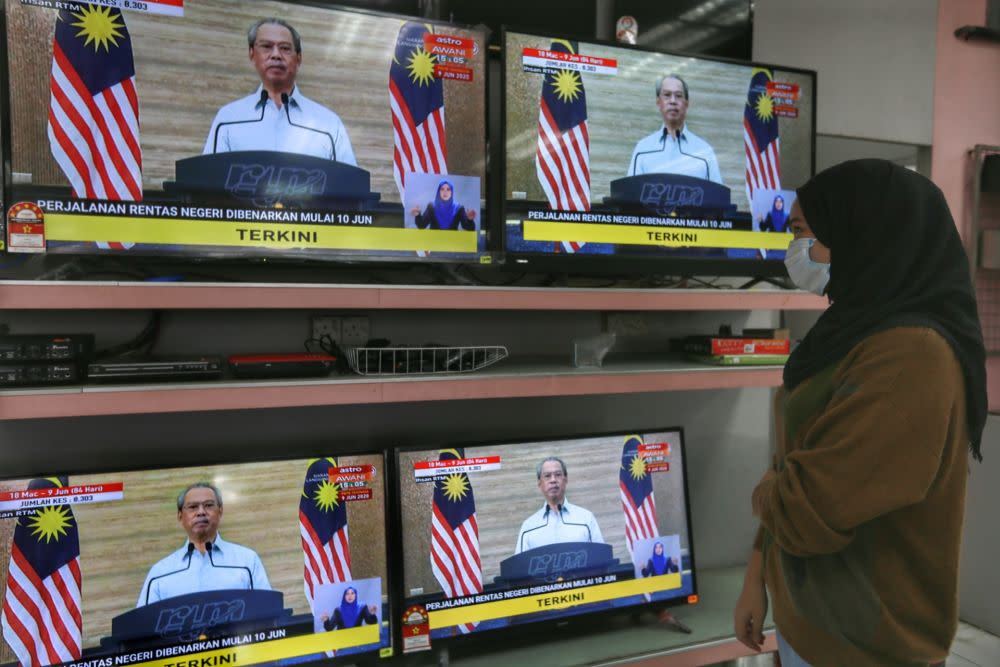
(777, 282)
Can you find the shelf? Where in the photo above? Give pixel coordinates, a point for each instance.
(71, 295)
(618, 641)
(505, 380)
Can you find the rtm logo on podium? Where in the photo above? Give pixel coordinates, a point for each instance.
(263, 185)
(665, 199)
(187, 622)
(553, 565)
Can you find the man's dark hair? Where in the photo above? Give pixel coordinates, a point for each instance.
(198, 485)
(538, 468)
(252, 32)
(659, 85)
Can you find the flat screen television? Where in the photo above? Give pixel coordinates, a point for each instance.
(626, 160)
(502, 535)
(161, 128)
(113, 568)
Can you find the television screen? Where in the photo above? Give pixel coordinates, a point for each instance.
(244, 563)
(502, 535)
(624, 159)
(213, 128)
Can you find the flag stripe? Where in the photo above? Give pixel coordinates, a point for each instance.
(20, 638)
(94, 127)
(69, 159)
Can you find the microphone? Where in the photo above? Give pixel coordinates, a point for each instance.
(288, 114)
(663, 147)
(697, 157)
(208, 548)
(539, 527)
(263, 104)
(590, 535)
(149, 586)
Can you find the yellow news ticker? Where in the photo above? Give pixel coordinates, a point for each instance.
(564, 599)
(268, 651)
(537, 230)
(194, 232)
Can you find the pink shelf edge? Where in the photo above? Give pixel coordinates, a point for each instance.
(705, 654)
(74, 296)
(112, 401)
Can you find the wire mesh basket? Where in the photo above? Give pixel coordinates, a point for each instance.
(423, 360)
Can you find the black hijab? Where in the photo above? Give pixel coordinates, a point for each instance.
(896, 260)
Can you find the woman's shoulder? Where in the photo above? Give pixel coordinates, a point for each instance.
(899, 353)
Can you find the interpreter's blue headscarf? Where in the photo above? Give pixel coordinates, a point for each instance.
(779, 216)
(659, 560)
(349, 610)
(445, 210)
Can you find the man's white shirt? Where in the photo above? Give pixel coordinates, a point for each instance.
(274, 132)
(663, 153)
(547, 526)
(172, 576)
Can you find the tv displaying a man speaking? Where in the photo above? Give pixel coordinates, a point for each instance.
(500, 535)
(239, 564)
(246, 129)
(623, 157)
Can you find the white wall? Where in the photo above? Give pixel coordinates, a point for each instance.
(874, 58)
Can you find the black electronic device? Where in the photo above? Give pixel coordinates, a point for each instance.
(38, 373)
(46, 347)
(262, 366)
(156, 369)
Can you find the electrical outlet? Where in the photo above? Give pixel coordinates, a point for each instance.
(326, 325)
(355, 331)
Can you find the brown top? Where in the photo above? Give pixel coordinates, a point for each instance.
(862, 521)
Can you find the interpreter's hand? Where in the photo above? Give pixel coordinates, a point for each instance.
(748, 618)
(373, 609)
(471, 213)
(415, 211)
(324, 618)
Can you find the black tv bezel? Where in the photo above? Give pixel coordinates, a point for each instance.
(486, 256)
(539, 627)
(589, 264)
(387, 525)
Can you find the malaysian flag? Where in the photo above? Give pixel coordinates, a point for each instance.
(323, 525)
(416, 97)
(760, 137)
(562, 159)
(637, 494)
(41, 606)
(455, 535)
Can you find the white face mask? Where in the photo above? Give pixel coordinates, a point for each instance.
(805, 272)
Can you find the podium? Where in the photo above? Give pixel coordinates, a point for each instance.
(672, 194)
(189, 617)
(268, 178)
(552, 562)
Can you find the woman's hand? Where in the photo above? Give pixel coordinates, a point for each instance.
(748, 618)
(470, 213)
(415, 211)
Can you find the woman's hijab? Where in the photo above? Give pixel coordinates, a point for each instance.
(659, 560)
(445, 210)
(896, 260)
(778, 216)
(349, 611)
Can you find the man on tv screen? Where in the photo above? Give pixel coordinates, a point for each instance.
(557, 521)
(674, 149)
(206, 562)
(278, 117)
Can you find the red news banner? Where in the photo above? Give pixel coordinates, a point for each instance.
(451, 53)
(428, 471)
(13, 503)
(654, 455)
(785, 96)
(544, 58)
(353, 482)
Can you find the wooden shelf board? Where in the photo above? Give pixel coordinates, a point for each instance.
(70, 295)
(505, 380)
